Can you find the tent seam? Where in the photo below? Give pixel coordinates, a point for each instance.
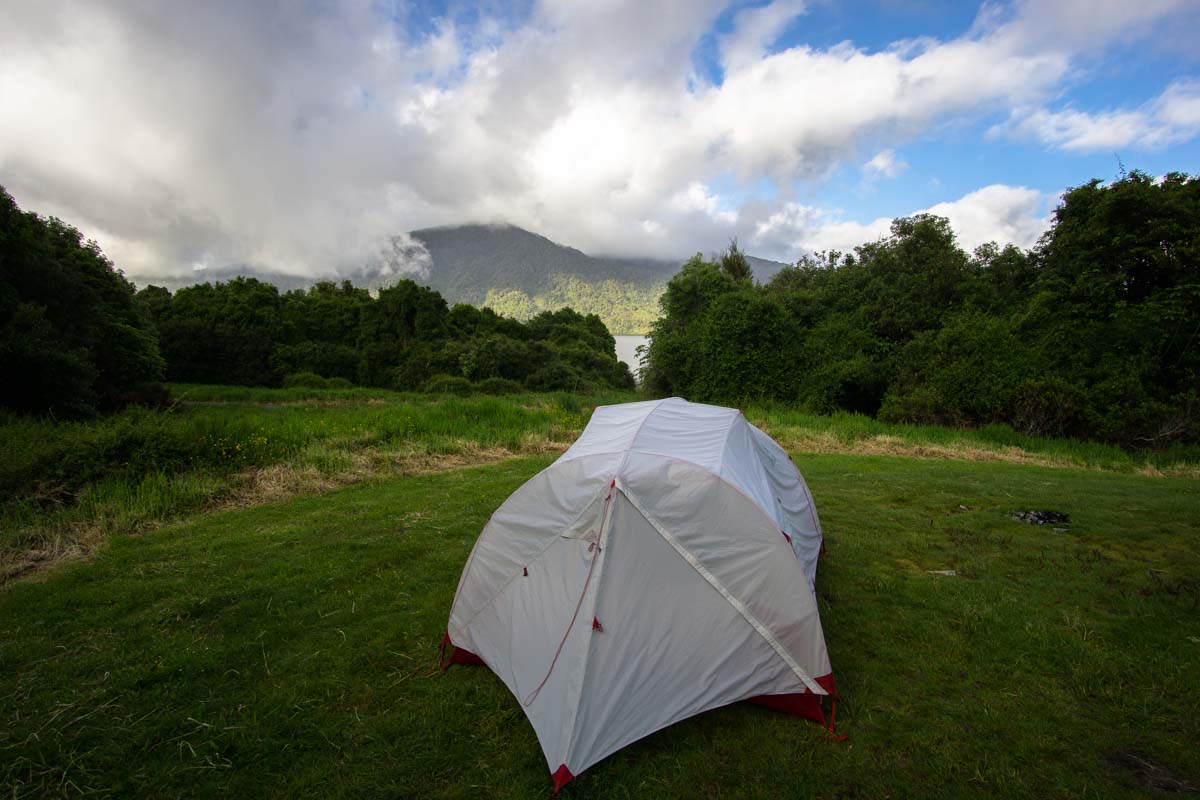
(774, 522)
(537, 557)
(637, 433)
(587, 650)
(725, 443)
(741, 608)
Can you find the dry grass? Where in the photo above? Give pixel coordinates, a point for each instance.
(802, 440)
(283, 481)
(348, 463)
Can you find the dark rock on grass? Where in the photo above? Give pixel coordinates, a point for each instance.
(1042, 517)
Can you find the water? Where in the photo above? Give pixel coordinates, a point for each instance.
(627, 351)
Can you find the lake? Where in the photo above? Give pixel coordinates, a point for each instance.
(627, 351)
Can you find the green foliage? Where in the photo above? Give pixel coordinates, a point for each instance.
(626, 306)
(244, 332)
(72, 341)
(673, 365)
(733, 262)
(1116, 310)
(748, 347)
(307, 380)
(970, 371)
(1093, 333)
(498, 386)
(448, 384)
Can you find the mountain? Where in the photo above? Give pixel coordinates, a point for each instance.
(520, 273)
(468, 261)
(511, 270)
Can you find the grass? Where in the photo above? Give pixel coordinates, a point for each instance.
(855, 433)
(287, 650)
(67, 488)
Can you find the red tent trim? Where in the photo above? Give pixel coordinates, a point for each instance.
(800, 704)
(457, 654)
(562, 776)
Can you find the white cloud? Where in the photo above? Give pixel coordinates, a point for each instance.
(755, 30)
(884, 164)
(999, 213)
(1172, 117)
(283, 136)
(697, 198)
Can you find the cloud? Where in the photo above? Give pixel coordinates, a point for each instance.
(755, 30)
(884, 164)
(999, 213)
(1170, 118)
(301, 137)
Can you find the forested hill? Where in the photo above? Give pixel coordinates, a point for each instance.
(471, 260)
(519, 273)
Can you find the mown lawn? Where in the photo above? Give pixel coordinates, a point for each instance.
(288, 649)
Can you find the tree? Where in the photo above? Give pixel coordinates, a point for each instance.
(735, 264)
(1095, 332)
(72, 339)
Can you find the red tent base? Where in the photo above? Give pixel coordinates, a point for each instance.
(562, 776)
(800, 704)
(458, 655)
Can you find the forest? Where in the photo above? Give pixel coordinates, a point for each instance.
(1093, 333)
(76, 339)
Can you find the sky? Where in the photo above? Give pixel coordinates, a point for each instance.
(298, 137)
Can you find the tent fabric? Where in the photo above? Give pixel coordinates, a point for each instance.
(662, 567)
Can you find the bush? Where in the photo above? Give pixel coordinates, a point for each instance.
(448, 384)
(306, 380)
(150, 395)
(498, 386)
(556, 376)
(338, 383)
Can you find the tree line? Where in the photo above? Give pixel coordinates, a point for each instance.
(77, 339)
(405, 337)
(1095, 332)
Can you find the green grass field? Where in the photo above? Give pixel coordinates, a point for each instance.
(66, 488)
(288, 649)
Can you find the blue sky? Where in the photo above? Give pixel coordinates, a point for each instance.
(301, 137)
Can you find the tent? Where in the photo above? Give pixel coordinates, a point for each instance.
(662, 567)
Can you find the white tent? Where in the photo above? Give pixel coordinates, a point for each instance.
(663, 566)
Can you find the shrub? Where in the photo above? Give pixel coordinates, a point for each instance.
(306, 380)
(556, 376)
(448, 384)
(499, 386)
(338, 383)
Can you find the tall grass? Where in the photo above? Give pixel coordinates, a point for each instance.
(847, 432)
(67, 486)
